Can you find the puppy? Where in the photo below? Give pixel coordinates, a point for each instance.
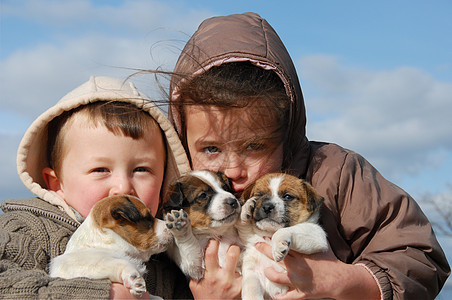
(116, 239)
(280, 210)
(199, 207)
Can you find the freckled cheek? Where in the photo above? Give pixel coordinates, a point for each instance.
(200, 162)
(84, 200)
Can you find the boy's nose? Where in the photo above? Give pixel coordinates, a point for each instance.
(122, 186)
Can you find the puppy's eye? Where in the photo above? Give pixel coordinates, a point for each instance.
(288, 197)
(258, 195)
(202, 196)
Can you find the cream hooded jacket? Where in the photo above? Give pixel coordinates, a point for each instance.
(369, 221)
(32, 153)
(32, 231)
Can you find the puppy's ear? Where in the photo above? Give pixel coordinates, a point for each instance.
(314, 200)
(227, 182)
(246, 194)
(126, 211)
(175, 198)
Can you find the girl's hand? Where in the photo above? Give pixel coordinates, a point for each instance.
(321, 275)
(218, 282)
(119, 291)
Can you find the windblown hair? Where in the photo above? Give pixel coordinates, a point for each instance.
(238, 85)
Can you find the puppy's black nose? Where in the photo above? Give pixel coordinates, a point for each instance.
(268, 207)
(232, 202)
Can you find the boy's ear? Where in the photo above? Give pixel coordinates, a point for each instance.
(51, 180)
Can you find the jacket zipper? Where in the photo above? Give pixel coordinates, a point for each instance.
(45, 213)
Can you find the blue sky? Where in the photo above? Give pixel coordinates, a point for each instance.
(376, 75)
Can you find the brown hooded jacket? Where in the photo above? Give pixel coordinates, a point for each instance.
(369, 220)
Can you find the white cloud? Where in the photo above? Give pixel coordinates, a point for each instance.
(89, 40)
(398, 119)
(10, 184)
(127, 16)
(78, 39)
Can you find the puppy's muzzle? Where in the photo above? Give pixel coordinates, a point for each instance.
(232, 202)
(264, 211)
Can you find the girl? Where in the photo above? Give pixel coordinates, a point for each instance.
(237, 105)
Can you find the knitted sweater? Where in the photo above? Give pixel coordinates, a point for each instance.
(33, 231)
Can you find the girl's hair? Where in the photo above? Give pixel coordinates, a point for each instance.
(118, 117)
(238, 85)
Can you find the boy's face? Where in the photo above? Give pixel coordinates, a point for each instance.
(97, 163)
(238, 142)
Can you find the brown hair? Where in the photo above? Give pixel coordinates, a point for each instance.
(238, 85)
(118, 117)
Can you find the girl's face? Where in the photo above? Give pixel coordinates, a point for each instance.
(240, 142)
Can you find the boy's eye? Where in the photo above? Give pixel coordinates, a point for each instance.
(211, 149)
(100, 170)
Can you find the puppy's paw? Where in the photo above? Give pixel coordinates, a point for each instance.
(177, 221)
(281, 241)
(197, 273)
(247, 211)
(135, 283)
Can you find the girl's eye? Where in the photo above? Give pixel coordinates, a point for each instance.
(255, 146)
(288, 197)
(141, 169)
(211, 149)
(99, 170)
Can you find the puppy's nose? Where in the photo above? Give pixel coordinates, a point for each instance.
(268, 207)
(232, 202)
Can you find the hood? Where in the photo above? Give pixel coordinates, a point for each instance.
(32, 152)
(245, 37)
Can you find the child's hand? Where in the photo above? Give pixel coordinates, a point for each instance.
(218, 283)
(119, 291)
(321, 275)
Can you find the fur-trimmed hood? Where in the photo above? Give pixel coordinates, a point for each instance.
(32, 152)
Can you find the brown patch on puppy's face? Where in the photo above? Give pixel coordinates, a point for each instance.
(204, 196)
(282, 200)
(131, 219)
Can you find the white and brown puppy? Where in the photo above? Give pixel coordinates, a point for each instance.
(200, 207)
(116, 239)
(283, 211)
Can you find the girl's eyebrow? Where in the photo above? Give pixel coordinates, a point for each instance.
(204, 143)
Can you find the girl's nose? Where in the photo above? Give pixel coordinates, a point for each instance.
(235, 172)
(234, 168)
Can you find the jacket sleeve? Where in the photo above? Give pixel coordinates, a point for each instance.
(23, 264)
(388, 233)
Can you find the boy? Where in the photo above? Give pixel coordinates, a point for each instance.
(103, 138)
